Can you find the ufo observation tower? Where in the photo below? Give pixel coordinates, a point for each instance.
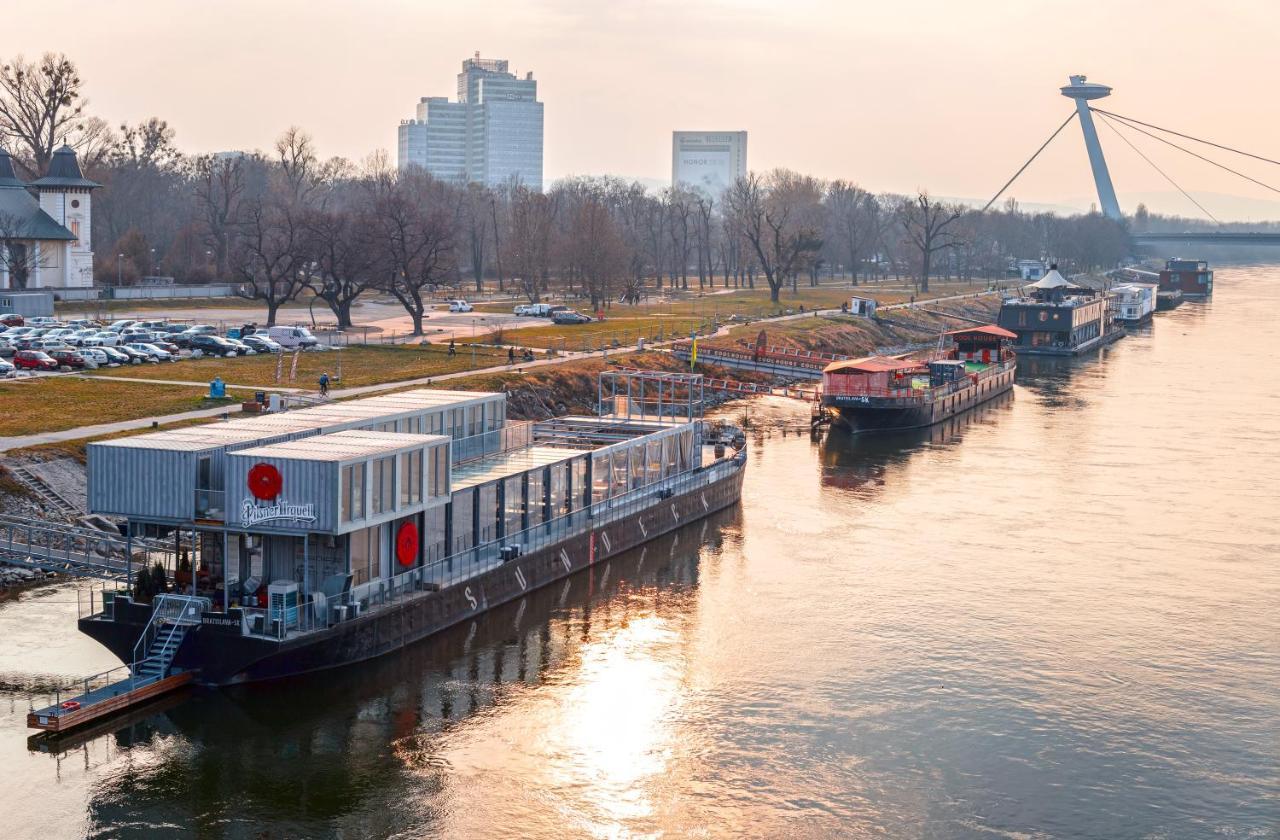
(1083, 91)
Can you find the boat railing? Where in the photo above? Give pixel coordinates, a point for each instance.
(474, 561)
(81, 687)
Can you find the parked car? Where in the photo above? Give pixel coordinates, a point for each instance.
(6, 368)
(212, 345)
(96, 356)
(107, 338)
(11, 319)
(33, 360)
(7, 349)
(117, 326)
(262, 344)
(116, 356)
(153, 326)
(568, 316)
(290, 337)
(202, 329)
(79, 337)
(42, 321)
(167, 346)
(134, 334)
(460, 306)
(48, 345)
(68, 358)
(526, 309)
(137, 355)
(242, 348)
(151, 350)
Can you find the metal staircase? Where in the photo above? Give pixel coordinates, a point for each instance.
(171, 617)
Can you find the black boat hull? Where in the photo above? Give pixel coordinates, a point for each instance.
(220, 655)
(871, 414)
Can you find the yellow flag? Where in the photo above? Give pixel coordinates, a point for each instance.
(693, 354)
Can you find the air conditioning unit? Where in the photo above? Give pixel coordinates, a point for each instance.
(509, 552)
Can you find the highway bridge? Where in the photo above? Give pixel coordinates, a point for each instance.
(1207, 237)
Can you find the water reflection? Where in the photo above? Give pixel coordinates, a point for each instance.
(861, 462)
(341, 748)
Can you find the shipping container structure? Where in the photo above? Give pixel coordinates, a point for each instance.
(396, 514)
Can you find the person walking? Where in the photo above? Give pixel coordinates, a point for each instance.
(511, 355)
(324, 384)
(453, 351)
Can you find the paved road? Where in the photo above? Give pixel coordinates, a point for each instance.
(339, 393)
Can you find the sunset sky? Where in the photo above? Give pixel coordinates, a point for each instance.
(947, 96)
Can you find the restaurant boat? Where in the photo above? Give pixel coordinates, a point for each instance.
(1055, 318)
(324, 536)
(881, 393)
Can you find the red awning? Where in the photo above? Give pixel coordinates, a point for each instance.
(872, 364)
(987, 329)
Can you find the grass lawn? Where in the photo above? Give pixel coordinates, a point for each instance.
(622, 326)
(755, 303)
(361, 365)
(49, 404)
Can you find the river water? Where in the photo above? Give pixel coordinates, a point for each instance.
(1057, 617)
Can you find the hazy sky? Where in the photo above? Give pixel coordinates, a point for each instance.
(894, 94)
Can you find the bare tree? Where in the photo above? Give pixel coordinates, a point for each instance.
(219, 189)
(295, 152)
(596, 250)
(477, 215)
(341, 255)
(928, 227)
(852, 228)
(415, 240)
(269, 258)
(769, 213)
(40, 106)
(528, 241)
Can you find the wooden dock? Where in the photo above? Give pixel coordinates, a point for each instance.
(104, 701)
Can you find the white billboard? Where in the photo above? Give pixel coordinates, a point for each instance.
(708, 160)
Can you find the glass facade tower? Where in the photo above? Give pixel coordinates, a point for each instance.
(491, 135)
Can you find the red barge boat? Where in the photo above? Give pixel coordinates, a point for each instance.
(883, 393)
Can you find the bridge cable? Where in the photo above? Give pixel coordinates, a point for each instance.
(1104, 115)
(1024, 166)
(1111, 126)
(1186, 136)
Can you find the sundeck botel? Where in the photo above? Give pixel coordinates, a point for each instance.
(334, 534)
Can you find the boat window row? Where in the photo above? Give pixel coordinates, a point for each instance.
(369, 488)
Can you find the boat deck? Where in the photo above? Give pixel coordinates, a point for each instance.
(104, 700)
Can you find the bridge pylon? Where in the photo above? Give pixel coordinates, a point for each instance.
(1082, 91)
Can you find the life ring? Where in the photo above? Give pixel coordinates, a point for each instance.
(70, 706)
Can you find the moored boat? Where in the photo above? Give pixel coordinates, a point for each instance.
(881, 393)
(1055, 318)
(368, 525)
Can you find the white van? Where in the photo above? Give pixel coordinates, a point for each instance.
(290, 337)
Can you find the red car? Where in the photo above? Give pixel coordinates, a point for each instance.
(33, 360)
(12, 319)
(70, 358)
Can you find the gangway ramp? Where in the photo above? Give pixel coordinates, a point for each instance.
(151, 674)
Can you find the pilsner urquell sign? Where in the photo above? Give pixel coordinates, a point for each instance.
(265, 484)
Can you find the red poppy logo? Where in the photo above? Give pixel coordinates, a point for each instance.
(265, 482)
(407, 544)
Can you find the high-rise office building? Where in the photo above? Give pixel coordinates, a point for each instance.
(492, 134)
(708, 160)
